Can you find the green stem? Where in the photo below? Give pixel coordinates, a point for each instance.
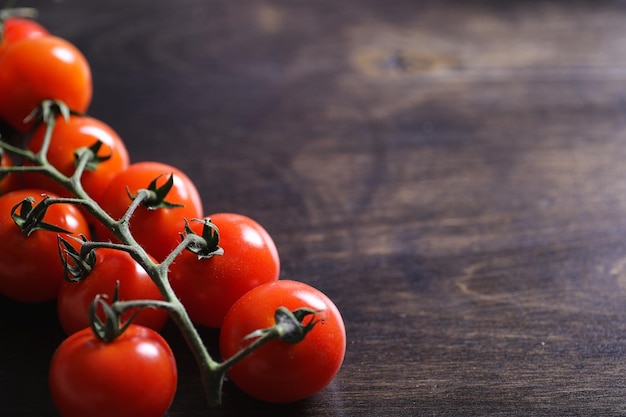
(24, 153)
(124, 222)
(121, 306)
(42, 155)
(212, 383)
(273, 333)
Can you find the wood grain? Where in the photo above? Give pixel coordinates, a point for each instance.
(451, 173)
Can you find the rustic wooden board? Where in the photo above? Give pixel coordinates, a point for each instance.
(451, 173)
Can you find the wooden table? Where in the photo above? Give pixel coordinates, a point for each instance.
(451, 173)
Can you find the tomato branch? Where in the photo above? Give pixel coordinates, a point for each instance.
(136, 201)
(24, 153)
(121, 306)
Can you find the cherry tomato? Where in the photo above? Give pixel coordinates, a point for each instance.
(110, 266)
(209, 287)
(5, 161)
(30, 267)
(278, 371)
(133, 376)
(16, 28)
(156, 230)
(67, 137)
(40, 68)
(8, 181)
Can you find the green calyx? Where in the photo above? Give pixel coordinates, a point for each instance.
(110, 326)
(156, 199)
(293, 323)
(94, 159)
(48, 111)
(29, 218)
(290, 325)
(208, 245)
(77, 265)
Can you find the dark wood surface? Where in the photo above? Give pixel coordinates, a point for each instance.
(451, 173)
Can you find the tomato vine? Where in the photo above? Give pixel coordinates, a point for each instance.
(289, 325)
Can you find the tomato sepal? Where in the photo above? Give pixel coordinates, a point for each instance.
(93, 159)
(48, 111)
(110, 327)
(208, 246)
(76, 264)
(29, 218)
(289, 326)
(156, 194)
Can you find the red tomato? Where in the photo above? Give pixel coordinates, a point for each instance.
(67, 137)
(10, 181)
(30, 267)
(5, 161)
(40, 68)
(133, 376)
(110, 266)
(278, 371)
(157, 231)
(209, 287)
(16, 28)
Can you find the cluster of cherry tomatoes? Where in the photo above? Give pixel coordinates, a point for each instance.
(238, 291)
